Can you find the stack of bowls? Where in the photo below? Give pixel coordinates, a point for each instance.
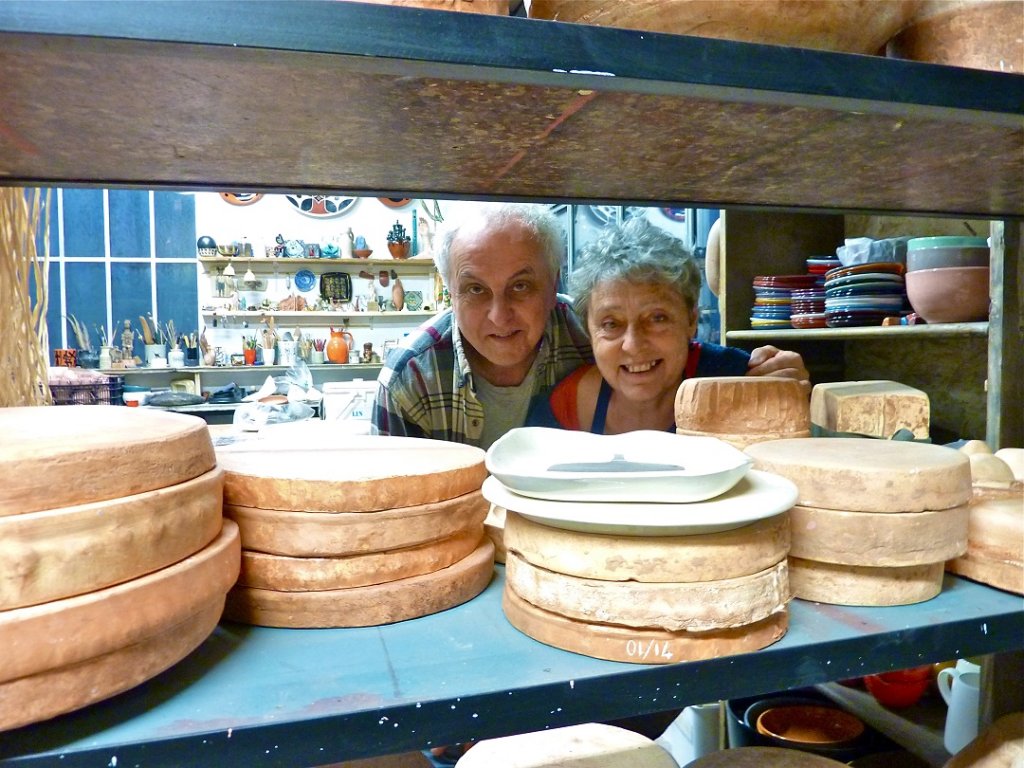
(808, 308)
(864, 294)
(773, 299)
(947, 278)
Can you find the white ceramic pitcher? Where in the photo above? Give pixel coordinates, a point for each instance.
(960, 689)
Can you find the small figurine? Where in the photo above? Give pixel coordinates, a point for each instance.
(347, 244)
(127, 341)
(369, 356)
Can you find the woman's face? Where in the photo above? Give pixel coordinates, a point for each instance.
(640, 333)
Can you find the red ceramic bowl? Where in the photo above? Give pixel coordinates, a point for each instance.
(912, 675)
(949, 295)
(897, 693)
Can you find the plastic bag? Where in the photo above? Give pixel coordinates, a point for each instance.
(251, 417)
(863, 250)
(297, 375)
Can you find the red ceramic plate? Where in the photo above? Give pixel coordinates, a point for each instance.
(395, 202)
(809, 320)
(871, 266)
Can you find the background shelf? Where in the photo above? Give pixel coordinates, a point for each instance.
(945, 330)
(257, 263)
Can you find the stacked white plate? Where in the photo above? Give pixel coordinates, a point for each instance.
(646, 547)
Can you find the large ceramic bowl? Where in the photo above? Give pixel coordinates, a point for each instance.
(810, 725)
(942, 252)
(900, 688)
(949, 294)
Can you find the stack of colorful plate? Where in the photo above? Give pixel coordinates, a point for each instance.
(819, 265)
(864, 294)
(773, 299)
(808, 308)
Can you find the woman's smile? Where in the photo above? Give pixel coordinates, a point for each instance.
(641, 367)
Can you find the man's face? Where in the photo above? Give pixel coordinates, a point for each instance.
(502, 293)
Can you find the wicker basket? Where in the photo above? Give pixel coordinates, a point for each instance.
(96, 393)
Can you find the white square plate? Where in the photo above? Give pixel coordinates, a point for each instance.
(645, 465)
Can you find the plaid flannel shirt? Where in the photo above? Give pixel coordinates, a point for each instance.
(426, 386)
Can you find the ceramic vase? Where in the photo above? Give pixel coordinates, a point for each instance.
(88, 359)
(156, 352)
(286, 355)
(397, 293)
(269, 355)
(339, 345)
(105, 360)
(176, 358)
(250, 355)
(399, 250)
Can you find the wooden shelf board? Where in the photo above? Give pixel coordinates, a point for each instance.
(492, 108)
(944, 330)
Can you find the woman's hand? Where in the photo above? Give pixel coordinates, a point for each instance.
(771, 361)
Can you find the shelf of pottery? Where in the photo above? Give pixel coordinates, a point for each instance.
(377, 301)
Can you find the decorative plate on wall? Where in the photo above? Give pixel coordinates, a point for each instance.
(676, 214)
(395, 202)
(305, 280)
(321, 206)
(241, 198)
(604, 214)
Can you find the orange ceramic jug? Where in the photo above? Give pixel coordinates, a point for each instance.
(338, 347)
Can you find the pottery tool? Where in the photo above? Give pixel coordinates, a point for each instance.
(146, 335)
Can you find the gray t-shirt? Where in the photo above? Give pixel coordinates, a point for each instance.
(505, 408)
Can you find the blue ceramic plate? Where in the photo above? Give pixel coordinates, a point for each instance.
(867, 289)
(305, 280)
(866, 277)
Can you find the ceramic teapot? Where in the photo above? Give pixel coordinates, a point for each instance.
(338, 346)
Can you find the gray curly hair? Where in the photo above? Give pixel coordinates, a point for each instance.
(538, 220)
(638, 252)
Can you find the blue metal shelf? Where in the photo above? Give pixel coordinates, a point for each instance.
(256, 696)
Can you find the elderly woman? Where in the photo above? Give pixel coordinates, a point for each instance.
(636, 289)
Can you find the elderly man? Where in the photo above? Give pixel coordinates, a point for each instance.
(469, 373)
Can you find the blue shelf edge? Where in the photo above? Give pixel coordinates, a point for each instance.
(258, 696)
